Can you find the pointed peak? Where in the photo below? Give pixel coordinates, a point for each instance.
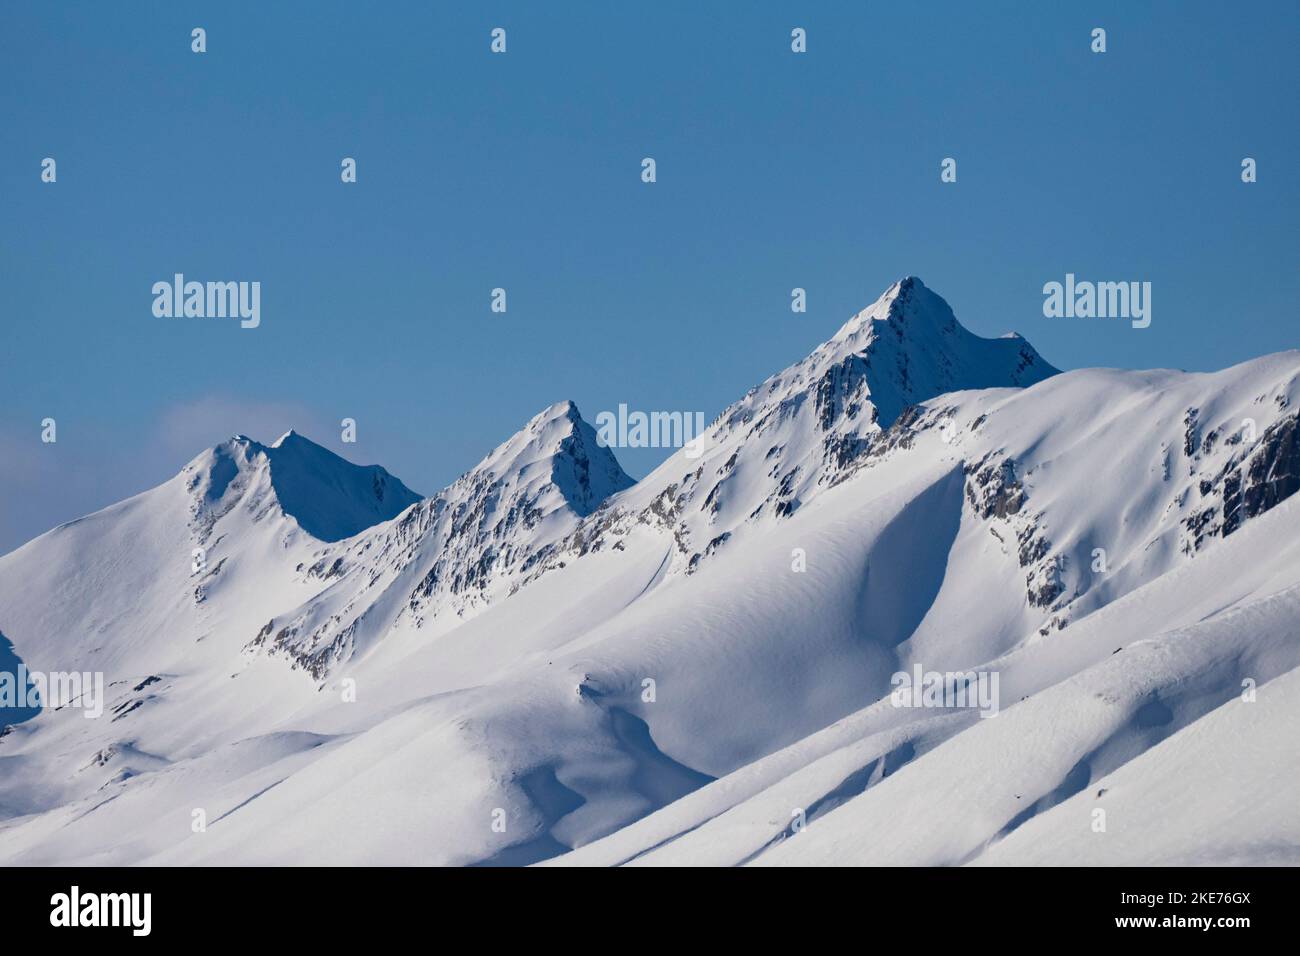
(251, 446)
(900, 294)
(328, 496)
(905, 286)
(909, 299)
(566, 411)
(556, 446)
(908, 346)
(906, 303)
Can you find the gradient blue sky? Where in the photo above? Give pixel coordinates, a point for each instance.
(775, 170)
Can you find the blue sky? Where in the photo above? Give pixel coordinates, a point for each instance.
(522, 170)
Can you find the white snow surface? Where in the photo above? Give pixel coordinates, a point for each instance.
(547, 663)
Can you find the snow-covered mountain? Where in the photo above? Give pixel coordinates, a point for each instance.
(545, 661)
(528, 507)
(456, 552)
(804, 428)
(206, 547)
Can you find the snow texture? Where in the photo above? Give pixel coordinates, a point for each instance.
(547, 663)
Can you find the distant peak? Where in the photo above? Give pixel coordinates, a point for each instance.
(909, 298)
(551, 431)
(328, 496)
(908, 302)
(559, 444)
(566, 410)
(908, 346)
(902, 291)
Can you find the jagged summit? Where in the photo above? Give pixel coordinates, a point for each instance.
(807, 427)
(911, 347)
(556, 448)
(906, 347)
(1123, 575)
(457, 551)
(567, 409)
(907, 300)
(328, 496)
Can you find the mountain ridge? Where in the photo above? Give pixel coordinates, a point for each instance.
(665, 671)
(815, 420)
(328, 496)
(453, 552)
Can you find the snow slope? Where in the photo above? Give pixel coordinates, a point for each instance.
(455, 552)
(545, 662)
(1229, 776)
(750, 811)
(119, 586)
(801, 430)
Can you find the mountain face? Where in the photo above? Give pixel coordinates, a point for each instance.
(124, 582)
(328, 497)
(765, 456)
(698, 668)
(804, 428)
(903, 349)
(455, 552)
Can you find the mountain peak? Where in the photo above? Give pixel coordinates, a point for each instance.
(557, 447)
(904, 288)
(457, 551)
(809, 426)
(911, 347)
(328, 496)
(561, 412)
(908, 303)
